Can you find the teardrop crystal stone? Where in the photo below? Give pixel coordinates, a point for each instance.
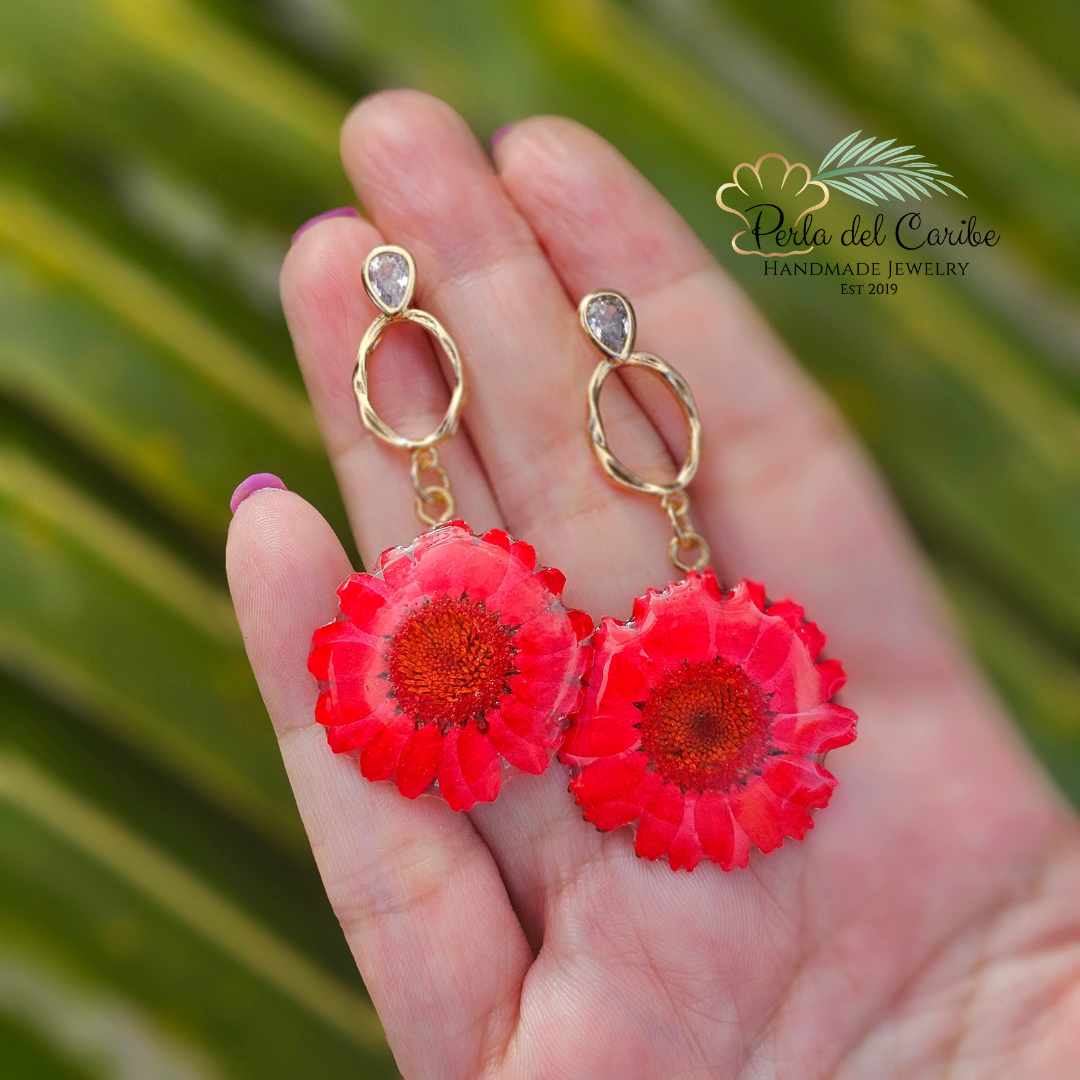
(608, 321)
(389, 275)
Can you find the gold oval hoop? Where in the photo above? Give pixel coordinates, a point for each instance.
(371, 419)
(598, 437)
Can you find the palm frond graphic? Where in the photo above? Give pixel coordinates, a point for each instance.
(872, 171)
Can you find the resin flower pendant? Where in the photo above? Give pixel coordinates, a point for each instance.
(704, 721)
(454, 656)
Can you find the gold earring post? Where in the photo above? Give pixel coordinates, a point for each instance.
(389, 276)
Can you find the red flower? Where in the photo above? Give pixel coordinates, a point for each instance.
(702, 721)
(455, 653)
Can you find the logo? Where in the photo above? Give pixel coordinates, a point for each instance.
(776, 200)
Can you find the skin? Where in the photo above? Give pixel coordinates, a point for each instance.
(929, 925)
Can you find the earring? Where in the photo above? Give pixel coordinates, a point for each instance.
(455, 654)
(707, 715)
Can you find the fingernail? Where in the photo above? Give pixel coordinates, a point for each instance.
(340, 211)
(499, 134)
(259, 482)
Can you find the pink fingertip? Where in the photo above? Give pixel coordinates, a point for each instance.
(260, 481)
(499, 134)
(339, 211)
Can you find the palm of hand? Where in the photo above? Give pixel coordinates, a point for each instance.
(928, 927)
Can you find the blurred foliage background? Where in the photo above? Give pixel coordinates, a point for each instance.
(160, 918)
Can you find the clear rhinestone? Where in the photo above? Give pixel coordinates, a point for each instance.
(389, 275)
(609, 321)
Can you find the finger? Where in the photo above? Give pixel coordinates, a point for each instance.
(417, 892)
(328, 312)
(783, 487)
(428, 185)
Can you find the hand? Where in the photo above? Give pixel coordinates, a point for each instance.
(929, 926)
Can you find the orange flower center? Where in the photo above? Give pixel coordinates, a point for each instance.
(449, 663)
(705, 726)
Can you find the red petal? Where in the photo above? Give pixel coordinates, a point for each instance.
(532, 687)
(524, 721)
(469, 772)
(554, 580)
(524, 553)
(710, 584)
(678, 632)
(812, 638)
(610, 780)
(832, 677)
(325, 713)
(420, 757)
(548, 633)
(450, 533)
(599, 737)
(396, 567)
(640, 610)
(582, 623)
(520, 600)
(737, 629)
(486, 569)
(498, 538)
(685, 848)
(350, 682)
(613, 713)
(799, 780)
(352, 707)
(660, 818)
(379, 757)
(789, 611)
(323, 642)
(570, 699)
(439, 570)
(620, 676)
(795, 820)
(757, 809)
(754, 591)
(771, 652)
(612, 815)
(342, 738)
(814, 731)
(522, 753)
(362, 597)
(715, 828)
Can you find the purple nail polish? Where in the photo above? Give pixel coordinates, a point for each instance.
(259, 482)
(340, 211)
(499, 134)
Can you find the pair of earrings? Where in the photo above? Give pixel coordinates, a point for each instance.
(702, 721)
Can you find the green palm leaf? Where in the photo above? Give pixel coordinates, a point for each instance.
(870, 165)
(136, 909)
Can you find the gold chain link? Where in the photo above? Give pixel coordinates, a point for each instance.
(677, 506)
(438, 496)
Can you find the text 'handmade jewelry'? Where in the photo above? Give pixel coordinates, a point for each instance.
(707, 715)
(455, 655)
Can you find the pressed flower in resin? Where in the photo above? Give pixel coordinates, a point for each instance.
(454, 655)
(704, 721)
